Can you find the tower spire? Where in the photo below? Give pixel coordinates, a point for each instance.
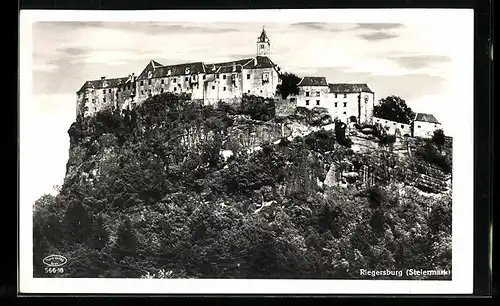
(263, 44)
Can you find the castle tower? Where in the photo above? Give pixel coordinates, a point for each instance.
(263, 44)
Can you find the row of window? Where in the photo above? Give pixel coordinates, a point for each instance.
(265, 77)
(318, 101)
(319, 93)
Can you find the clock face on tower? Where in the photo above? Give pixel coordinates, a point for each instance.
(261, 51)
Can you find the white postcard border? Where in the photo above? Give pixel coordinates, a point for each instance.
(462, 222)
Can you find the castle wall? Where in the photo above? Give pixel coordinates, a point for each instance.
(425, 129)
(393, 127)
(254, 82)
(222, 87)
(126, 96)
(187, 83)
(312, 96)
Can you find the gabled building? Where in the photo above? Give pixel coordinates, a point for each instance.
(351, 102)
(346, 102)
(98, 95)
(424, 125)
(313, 92)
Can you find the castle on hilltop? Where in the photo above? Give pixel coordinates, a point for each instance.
(228, 82)
(208, 83)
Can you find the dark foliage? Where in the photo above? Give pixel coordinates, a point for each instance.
(438, 138)
(258, 108)
(148, 194)
(288, 86)
(432, 155)
(395, 109)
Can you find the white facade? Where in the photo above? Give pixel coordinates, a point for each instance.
(425, 129)
(393, 127)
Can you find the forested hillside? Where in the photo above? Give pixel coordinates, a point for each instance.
(178, 190)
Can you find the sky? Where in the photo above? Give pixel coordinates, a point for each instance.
(416, 61)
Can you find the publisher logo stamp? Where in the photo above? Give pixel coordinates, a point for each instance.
(54, 264)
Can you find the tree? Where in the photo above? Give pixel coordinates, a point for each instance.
(126, 243)
(77, 224)
(288, 86)
(438, 138)
(395, 109)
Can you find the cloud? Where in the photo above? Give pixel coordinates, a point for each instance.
(310, 25)
(44, 67)
(379, 26)
(158, 27)
(323, 26)
(377, 36)
(420, 61)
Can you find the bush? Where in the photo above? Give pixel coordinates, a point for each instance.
(321, 141)
(387, 139)
(431, 155)
(258, 108)
(438, 138)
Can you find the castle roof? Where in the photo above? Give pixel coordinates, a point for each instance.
(263, 36)
(313, 81)
(151, 66)
(349, 88)
(103, 83)
(426, 118)
(179, 69)
(246, 63)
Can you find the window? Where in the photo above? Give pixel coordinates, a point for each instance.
(224, 88)
(142, 92)
(217, 75)
(109, 90)
(186, 79)
(345, 104)
(204, 77)
(261, 91)
(307, 102)
(248, 76)
(317, 94)
(335, 95)
(419, 126)
(394, 123)
(93, 100)
(175, 88)
(345, 95)
(262, 46)
(142, 83)
(336, 104)
(104, 91)
(149, 82)
(248, 91)
(402, 126)
(223, 76)
(161, 90)
(163, 81)
(103, 99)
(174, 80)
(344, 113)
(317, 102)
(307, 94)
(213, 87)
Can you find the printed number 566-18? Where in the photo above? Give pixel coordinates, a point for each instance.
(54, 270)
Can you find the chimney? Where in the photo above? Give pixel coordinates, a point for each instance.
(103, 77)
